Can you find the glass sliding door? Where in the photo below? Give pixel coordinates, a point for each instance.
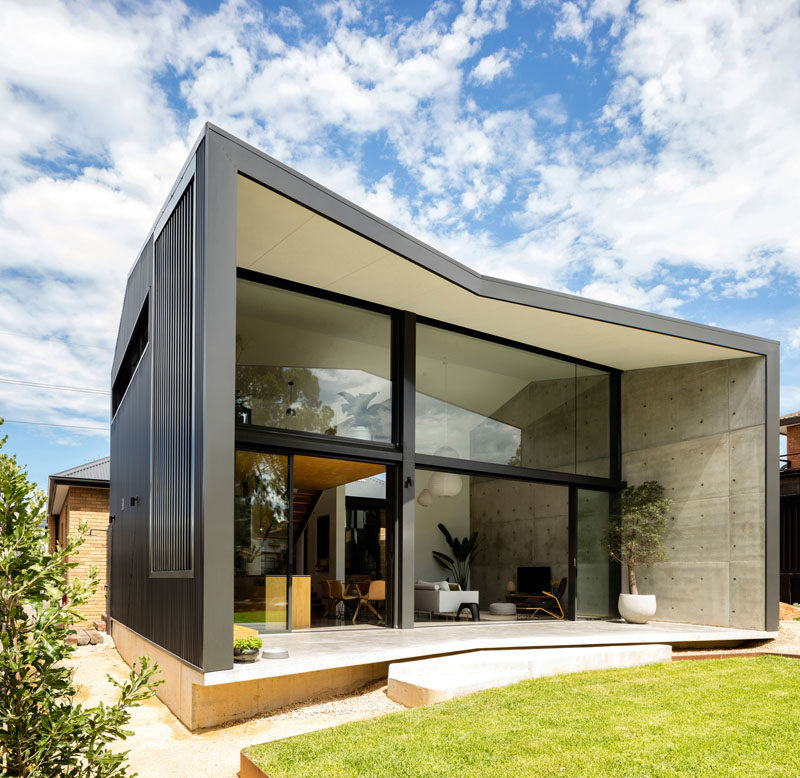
(595, 585)
(261, 541)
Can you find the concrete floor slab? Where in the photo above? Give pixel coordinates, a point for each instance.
(428, 681)
(311, 650)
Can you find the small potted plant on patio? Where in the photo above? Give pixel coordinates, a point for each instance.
(634, 539)
(246, 649)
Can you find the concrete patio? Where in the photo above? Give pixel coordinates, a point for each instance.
(311, 650)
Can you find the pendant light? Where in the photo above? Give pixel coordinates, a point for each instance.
(425, 498)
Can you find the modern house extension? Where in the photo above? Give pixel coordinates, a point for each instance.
(302, 393)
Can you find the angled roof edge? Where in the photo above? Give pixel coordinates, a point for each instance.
(429, 258)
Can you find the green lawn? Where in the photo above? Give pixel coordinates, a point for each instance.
(725, 717)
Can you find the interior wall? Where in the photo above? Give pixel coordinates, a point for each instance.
(332, 504)
(453, 512)
(699, 430)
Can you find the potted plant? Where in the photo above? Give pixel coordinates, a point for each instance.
(363, 415)
(246, 649)
(464, 552)
(634, 539)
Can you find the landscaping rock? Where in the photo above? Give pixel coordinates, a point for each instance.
(789, 611)
(95, 637)
(100, 626)
(82, 636)
(72, 640)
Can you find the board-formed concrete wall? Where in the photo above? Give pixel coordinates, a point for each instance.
(699, 430)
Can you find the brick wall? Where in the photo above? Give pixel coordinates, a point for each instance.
(90, 505)
(793, 445)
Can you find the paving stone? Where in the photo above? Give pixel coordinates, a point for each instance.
(95, 637)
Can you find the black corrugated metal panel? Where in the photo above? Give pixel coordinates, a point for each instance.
(135, 293)
(171, 531)
(167, 611)
(790, 533)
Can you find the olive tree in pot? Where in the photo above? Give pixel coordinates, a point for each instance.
(634, 539)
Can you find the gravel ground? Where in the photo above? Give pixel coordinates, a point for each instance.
(161, 747)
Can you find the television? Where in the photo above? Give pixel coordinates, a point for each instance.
(533, 580)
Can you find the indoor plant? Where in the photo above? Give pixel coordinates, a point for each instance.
(634, 539)
(364, 417)
(464, 552)
(246, 649)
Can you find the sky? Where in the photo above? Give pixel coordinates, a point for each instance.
(642, 153)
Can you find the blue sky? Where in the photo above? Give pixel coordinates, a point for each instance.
(641, 153)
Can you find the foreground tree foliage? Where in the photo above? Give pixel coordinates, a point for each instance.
(42, 731)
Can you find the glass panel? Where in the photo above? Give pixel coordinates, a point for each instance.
(594, 564)
(261, 541)
(487, 402)
(523, 535)
(308, 364)
(593, 438)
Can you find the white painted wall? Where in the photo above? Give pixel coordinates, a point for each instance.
(453, 512)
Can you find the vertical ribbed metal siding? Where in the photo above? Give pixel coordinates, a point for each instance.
(790, 533)
(171, 523)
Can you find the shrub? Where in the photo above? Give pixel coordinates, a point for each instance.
(249, 643)
(44, 733)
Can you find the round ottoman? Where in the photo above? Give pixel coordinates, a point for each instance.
(503, 609)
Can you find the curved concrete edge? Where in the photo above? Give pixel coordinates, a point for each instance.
(429, 681)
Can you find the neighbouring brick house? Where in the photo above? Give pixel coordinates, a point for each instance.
(75, 495)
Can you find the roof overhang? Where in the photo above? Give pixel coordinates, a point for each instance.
(291, 228)
(58, 489)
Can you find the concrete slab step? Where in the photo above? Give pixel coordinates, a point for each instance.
(427, 681)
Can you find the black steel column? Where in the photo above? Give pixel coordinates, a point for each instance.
(572, 587)
(289, 539)
(402, 482)
(615, 426)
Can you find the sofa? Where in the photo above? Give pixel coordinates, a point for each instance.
(437, 597)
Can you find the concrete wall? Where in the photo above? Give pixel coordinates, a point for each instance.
(699, 430)
(521, 524)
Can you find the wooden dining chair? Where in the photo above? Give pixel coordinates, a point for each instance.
(376, 593)
(337, 595)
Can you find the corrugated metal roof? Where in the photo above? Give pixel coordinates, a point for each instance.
(98, 470)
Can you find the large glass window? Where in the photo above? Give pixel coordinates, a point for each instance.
(303, 363)
(486, 402)
(261, 541)
(522, 535)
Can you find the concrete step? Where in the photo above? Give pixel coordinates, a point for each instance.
(427, 681)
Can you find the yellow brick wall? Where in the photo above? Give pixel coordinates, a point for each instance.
(90, 505)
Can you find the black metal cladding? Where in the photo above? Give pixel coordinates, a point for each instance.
(790, 533)
(171, 523)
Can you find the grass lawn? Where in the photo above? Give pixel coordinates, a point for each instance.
(724, 717)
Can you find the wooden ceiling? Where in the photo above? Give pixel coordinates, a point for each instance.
(317, 474)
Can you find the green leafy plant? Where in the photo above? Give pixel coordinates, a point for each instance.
(249, 643)
(636, 530)
(44, 732)
(464, 552)
(362, 413)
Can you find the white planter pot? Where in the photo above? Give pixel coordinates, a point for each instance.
(637, 608)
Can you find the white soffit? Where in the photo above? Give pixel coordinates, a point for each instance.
(279, 237)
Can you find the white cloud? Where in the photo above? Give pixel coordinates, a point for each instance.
(691, 169)
(491, 67)
(551, 108)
